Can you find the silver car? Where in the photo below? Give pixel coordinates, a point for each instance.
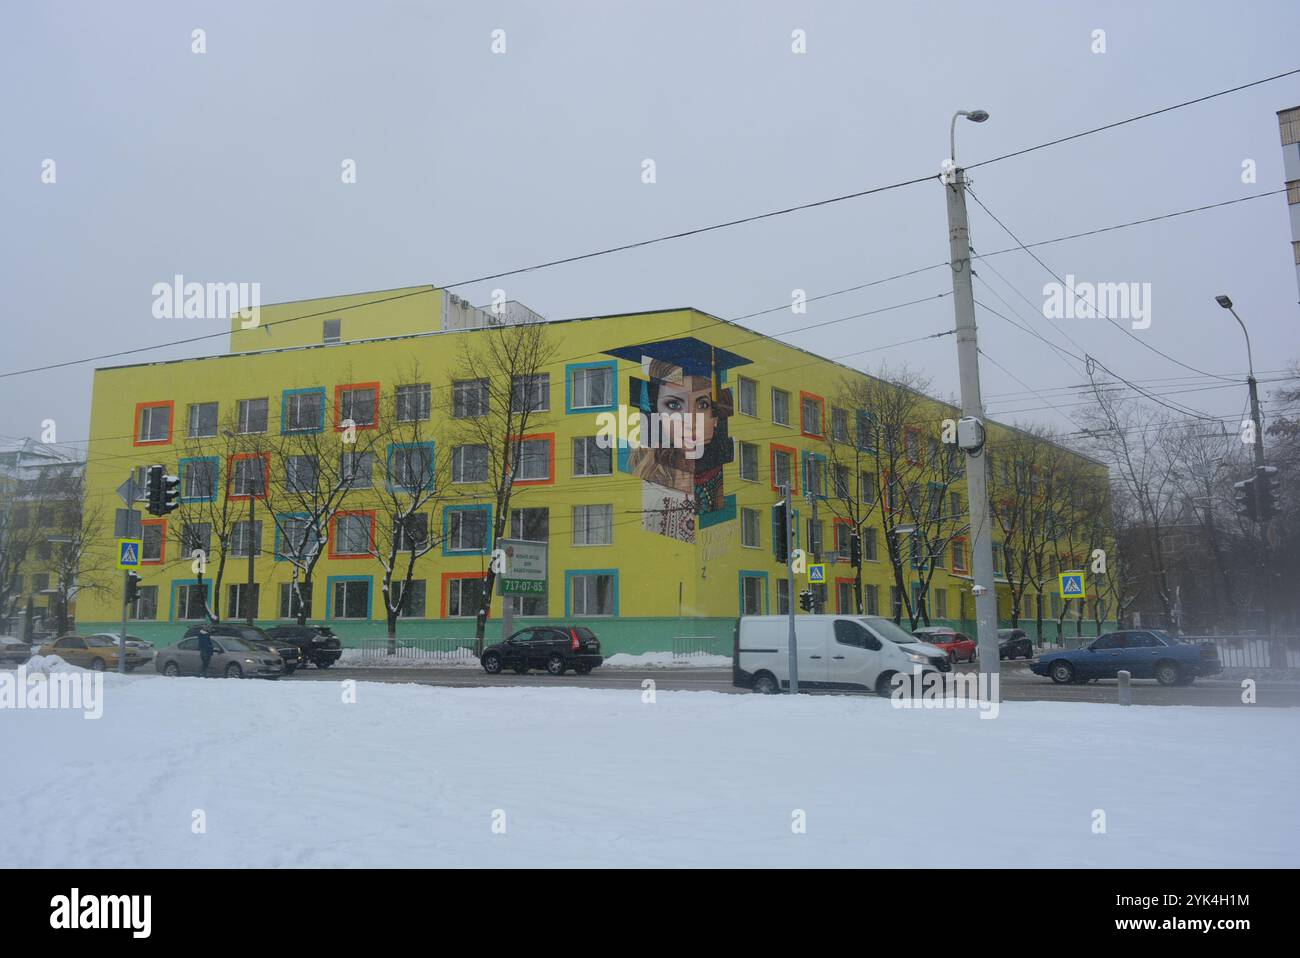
(231, 657)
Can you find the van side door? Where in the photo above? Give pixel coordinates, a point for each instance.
(855, 656)
(814, 653)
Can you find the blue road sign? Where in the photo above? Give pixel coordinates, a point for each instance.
(128, 553)
(1071, 584)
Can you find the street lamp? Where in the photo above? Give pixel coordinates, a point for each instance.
(975, 116)
(1226, 303)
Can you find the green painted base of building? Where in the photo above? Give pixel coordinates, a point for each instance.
(629, 635)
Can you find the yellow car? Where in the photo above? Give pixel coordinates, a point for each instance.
(98, 652)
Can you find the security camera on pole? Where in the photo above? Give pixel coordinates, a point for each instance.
(970, 430)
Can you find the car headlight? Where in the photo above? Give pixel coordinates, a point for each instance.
(918, 658)
(250, 661)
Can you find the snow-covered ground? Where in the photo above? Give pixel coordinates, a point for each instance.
(288, 774)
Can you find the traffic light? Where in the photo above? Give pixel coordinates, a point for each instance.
(1243, 499)
(153, 484)
(806, 600)
(171, 494)
(132, 588)
(855, 550)
(781, 532)
(1266, 491)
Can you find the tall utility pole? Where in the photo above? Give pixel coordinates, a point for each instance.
(126, 576)
(972, 410)
(250, 609)
(812, 487)
(789, 571)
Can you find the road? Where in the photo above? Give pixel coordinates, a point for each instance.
(1017, 683)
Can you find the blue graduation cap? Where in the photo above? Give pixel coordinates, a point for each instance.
(694, 356)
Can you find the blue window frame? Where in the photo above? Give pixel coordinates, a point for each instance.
(430, 461)
(612, 366)
(329, 593)
(318, 426)
(214, 466)
(176, 584)
(571, 574)
(447, 547)
(753, 574)
(814, 464)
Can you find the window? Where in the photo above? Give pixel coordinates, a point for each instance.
(252, 416)
(249, 477)
(44, 550)
(467, 529)
(358, 402)
(469, 398)
(853, 633)
(293, 600)
(414, 402)
(869, 545)
(748, 390)
(871, 599)
(842, 490)
(196, 535)
(198, 479)
(812, 415)
(867, 487)
(749, 461)
(351, 599)
(41, 582)
(411, 532)
(301, 473)
(145, 607)
(203, 420)
(749, 528)
(304, 410)
(153, 422)
(531, 393)
(751, 589)
(780, 407)
(238, 604)
(593, 525)
(959, 555)
(912, 445)
(527, 604)
(591, 386)
(191, 601)
(866, 429)
(411, 466)
(469, 463)
(153, 535)
(464, 596)
(781, 466)
(782, 596)
(935, 501)
(815, 537)
(954, 505)
(843, 541)
(840, 425)
(298, 539)
(535, 455)
(590, 459)
(353, 534)
(814, 472)
(240, 538)
(413, 607)
(331, 330)
(531, 524)
(593, 594)
(941, 603)
(359, 467)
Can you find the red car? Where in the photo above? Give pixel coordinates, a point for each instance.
(959, 646)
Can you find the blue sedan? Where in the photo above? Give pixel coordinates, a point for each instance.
(1147, 654)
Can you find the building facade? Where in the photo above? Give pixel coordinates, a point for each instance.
(651, 543)
(1289, 125)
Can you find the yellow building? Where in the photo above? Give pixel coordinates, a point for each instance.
(650, 544)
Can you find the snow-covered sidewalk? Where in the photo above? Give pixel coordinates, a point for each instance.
(285, 774)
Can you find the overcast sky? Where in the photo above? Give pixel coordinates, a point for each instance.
(225, 166)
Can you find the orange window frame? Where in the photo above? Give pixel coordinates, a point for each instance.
(821, 404)
(839, 581)
(447, 577)
(550, 458)
(140, 407)
(334, 523)
(836, 522)
(338, 404)
(230, 474)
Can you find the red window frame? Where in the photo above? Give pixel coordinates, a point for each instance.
(338, 404)
(793, 453)
(550, 458)
(836, 522)
(965, 552)
(843, 580)
(446, 581)
(821, 403)
(334, 523)
(162, 544)
(230, 475)
(171, 422)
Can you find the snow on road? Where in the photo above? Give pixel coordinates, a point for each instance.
(288, 774)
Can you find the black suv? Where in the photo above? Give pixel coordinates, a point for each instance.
(551, 647)
(316, 643)
(1013, 643)
(256, 637)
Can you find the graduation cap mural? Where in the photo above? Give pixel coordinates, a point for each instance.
(679, 394)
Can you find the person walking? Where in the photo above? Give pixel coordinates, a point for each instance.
(205, 650)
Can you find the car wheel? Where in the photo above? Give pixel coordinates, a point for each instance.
(233, 671)
(97, 665)
(521, 668)
(765, 684)
(1168, 673)
(1062, 672)
(172, 669)
(492, 663)
(555, 664)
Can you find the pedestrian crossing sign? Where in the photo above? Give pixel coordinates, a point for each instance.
(128, 553)
(1072, 585)
(817, 572)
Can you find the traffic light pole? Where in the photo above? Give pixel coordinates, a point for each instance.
(789, 570)
(126, 578)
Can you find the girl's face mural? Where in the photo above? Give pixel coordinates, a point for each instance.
(694, 397)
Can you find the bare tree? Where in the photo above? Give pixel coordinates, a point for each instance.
(81, 555)
(19, 533)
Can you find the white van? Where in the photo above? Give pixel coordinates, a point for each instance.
(848, 653)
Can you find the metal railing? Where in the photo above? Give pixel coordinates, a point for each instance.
(433, 651)
(686, 647)
(1253, 651)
